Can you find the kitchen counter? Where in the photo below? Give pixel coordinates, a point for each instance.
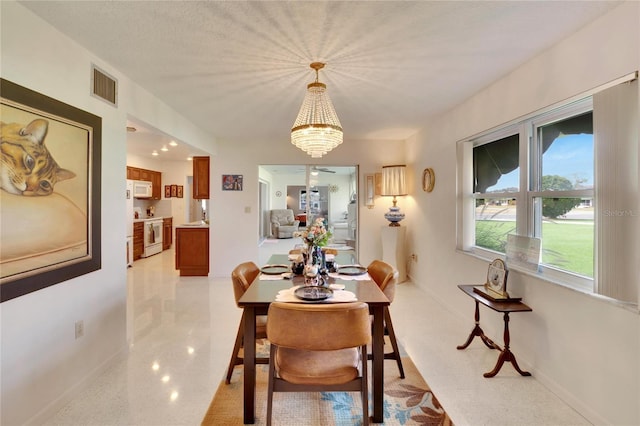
(197, 224)
(146, 219)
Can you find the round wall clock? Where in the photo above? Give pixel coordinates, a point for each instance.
(278, 193)
(428, 179)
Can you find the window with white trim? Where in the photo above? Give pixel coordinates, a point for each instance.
(535, 178)
(568, 176)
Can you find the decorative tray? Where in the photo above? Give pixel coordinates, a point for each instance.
(493, 296)
(351, 270)
(313, 292)
(275, 269)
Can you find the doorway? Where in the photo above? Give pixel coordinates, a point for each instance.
(311, 191)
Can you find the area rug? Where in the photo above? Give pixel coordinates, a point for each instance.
(407, 401)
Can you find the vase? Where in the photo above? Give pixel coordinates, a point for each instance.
(313, 264)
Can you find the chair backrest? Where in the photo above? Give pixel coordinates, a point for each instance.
(319, 327)
(282, 216)
(242, 276)
(329, 250)
(385, 276)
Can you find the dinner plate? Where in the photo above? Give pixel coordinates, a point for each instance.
(351, 270)
(313, 292)
(274, 269)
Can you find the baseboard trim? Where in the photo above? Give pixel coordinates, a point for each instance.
(65, 398)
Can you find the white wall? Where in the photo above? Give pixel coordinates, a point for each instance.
(42, 364)
(231, 245)
(585, 349)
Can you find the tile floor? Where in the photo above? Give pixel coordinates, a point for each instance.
(183, 329)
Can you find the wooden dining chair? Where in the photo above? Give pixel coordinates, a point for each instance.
(329, 250)
(318, 347)
(242, 276)
(386, 277)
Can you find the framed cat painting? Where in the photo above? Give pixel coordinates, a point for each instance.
(49, 191)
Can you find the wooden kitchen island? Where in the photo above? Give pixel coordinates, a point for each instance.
(192, 249)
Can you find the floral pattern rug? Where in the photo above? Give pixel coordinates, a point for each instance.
(407, 401)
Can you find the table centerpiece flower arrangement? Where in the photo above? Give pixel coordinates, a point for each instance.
(315, 236)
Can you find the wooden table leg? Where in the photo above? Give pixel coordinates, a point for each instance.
(477, 331)
(249, 346)
(378, 365)
(506, 355)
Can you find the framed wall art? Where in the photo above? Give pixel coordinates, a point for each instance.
(232, 182)
(167, 191)
(180, 191)
(50, 219)
(369, 190)
(174, 190)
(428, 179)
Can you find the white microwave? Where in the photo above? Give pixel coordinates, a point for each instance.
(142, 189)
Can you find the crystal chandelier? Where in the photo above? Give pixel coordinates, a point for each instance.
(317, 129)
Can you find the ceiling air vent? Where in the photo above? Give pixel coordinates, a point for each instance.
(104, 86)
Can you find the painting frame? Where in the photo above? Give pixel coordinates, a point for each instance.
(25, 101)
(174, 190)
(232, 182)
(167, 191)
(180, 191)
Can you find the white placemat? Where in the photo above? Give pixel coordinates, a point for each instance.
(277, 277)
(287, 295)
(363, 277)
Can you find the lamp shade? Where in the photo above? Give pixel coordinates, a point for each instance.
(317, 129)
(393, 180)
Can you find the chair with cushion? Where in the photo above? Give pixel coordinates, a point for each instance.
(386, 277)
(283, 223)
(242, 276)
(318, 347)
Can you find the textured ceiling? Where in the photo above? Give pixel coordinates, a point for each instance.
(240, 69)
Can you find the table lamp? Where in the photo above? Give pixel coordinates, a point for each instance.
(394, 184)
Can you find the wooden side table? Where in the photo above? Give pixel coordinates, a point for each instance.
(506, 308)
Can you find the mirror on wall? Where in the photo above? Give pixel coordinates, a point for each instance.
(313, 191)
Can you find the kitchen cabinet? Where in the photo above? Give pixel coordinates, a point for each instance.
(138, 240)
(201, 178)
(167, 233)
(146, 175)
(192, 250)
(156, 180)
(136, 173)
(133, 173)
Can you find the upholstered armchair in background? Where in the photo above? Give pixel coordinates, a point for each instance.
(283, 223)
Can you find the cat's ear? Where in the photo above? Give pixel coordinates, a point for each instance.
(64, 174)
(37, 130)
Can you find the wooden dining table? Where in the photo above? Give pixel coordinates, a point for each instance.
(256, 301)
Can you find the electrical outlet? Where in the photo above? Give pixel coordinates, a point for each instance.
(79, 329)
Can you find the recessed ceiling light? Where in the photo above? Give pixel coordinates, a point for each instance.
(173, 143)
(189, 158)
(154, 153)
(164, 148)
